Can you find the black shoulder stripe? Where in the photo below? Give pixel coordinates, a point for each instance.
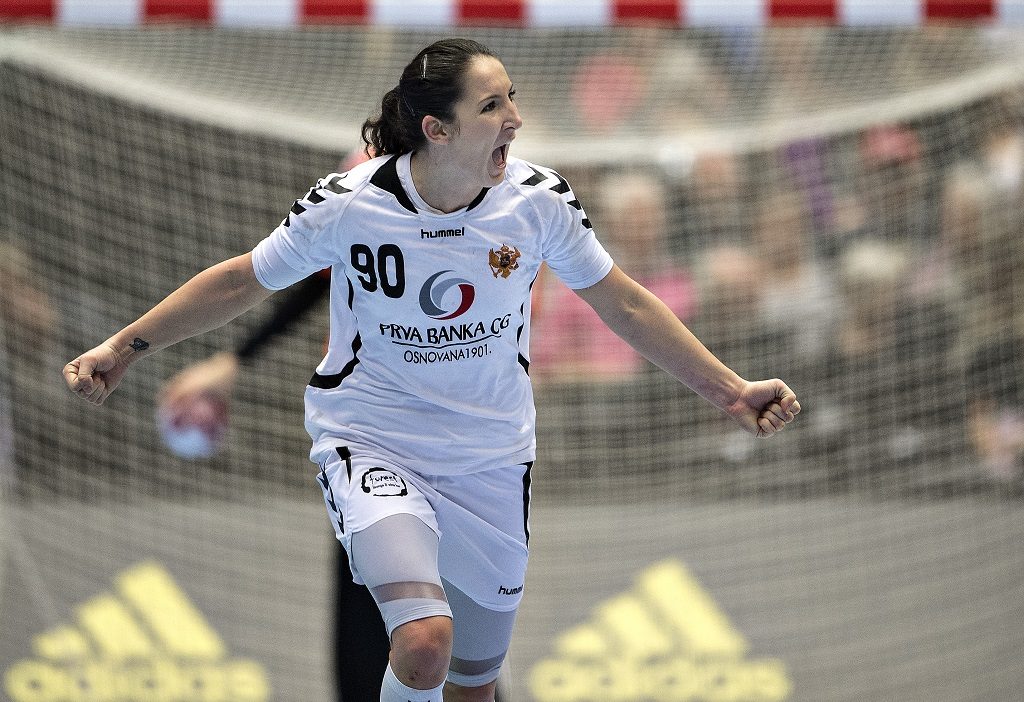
(297, 209)
(536, 178)
(315, 198)
(335, 186)
(386, 178)
(563, 185)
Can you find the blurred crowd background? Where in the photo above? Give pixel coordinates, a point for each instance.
(837, 207)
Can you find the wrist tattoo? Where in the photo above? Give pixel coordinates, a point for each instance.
(139, 344)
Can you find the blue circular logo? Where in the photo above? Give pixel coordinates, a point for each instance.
(432, 296)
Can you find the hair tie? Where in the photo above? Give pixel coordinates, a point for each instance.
(423, 73)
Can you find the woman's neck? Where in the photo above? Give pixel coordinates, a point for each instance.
(438, 184)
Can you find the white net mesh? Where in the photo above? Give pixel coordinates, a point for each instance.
(838, 207)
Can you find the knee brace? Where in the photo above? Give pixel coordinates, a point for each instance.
(397, 559)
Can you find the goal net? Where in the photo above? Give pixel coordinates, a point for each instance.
(839, 207)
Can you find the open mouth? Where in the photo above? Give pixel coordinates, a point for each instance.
(500, 156)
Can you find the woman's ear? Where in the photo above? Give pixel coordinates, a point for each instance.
(435, 130)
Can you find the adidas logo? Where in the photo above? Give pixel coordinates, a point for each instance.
(666, 639)
(145, 642)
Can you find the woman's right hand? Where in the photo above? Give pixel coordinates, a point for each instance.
(96, 373)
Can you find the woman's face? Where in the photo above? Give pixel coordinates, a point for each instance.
(486, 120)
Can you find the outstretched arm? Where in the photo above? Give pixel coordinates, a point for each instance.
(762, 407)
(207, 301)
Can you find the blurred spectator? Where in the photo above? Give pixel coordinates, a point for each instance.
(25, 309)
(847, 223)
(996, 408)
(999, 125)
(712, 197)
(878, 409)
(731, 320)
(610, 86)
(569, 339)
(1003, 157)
(649, 78)
(805, 161)
(694, 90)
(894, 184)
(794, 69)
(963, 201)
(995, 378)
(608, 89)
(801, 300)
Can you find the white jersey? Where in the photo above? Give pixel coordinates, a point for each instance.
(428, 357)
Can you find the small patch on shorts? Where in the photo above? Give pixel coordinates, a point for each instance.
(381, 482)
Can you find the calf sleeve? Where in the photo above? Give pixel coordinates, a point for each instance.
(482, 638)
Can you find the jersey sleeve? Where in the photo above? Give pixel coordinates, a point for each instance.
(304, 242)
(571, 248)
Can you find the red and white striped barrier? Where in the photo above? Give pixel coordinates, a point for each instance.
(521, 13)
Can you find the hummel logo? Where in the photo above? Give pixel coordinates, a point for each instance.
(147, 641)
(442, 233)
(666, 640)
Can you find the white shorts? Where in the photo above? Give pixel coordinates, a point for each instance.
(481, 519)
